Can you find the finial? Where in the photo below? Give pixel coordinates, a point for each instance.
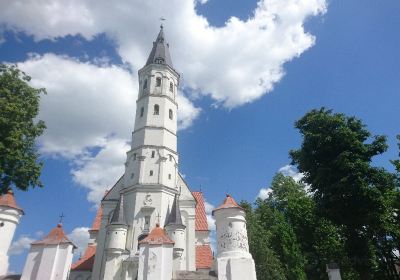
(162, 20)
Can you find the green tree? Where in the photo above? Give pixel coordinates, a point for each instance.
(20, 166)
(358, 198)
(268, 265)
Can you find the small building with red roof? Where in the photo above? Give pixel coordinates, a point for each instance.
(49, 258)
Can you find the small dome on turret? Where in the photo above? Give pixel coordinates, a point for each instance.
(228, 203)
(8, 200)
(157, 236)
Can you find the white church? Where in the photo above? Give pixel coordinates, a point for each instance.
(150, 225)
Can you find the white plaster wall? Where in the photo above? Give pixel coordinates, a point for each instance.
(231, 233)
(99, 261)
(202, 237)
(155, 262)
(116, 237)
(50, 262)
(9, 218)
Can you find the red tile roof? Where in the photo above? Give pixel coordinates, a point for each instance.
(97, 220)
(229, 202)
(204, 257)
(156, 237)
(56, 236)
(8, 200)
(201, 217)
(85, 263)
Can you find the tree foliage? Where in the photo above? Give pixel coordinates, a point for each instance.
(357, 197)
(345, 209)
(19, 106)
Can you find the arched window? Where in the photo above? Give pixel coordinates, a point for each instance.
(158, 82)
(156, 109)
(151, 172)
(141, 111)
(170, 114)
(145, 84)
(171, 87)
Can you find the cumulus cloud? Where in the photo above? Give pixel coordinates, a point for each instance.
(234, 64)
(264, 193)
(80, 237)
(20, 245)
(89, 112)
(290, 170)
(90, 106)
(101, 171)
(210, 219)
(85, 104)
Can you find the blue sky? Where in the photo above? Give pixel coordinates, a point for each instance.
(230, 141)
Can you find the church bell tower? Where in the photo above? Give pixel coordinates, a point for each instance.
(153, 157)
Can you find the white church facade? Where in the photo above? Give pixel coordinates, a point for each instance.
(150, 225)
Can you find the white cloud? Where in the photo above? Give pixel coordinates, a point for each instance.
(80, 237)
(210, 219)
(101, 171)
(90, 106)
(264, 193)
(290, 170)
(85, 104)
(89, 112)
(20, 245)
(234, 64)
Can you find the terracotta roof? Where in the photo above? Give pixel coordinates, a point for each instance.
(56, 236)
(229, 202)
(8, 200)
(85, 263)
(201, 217)
(204, 257)
(157, 237)
(97, 220)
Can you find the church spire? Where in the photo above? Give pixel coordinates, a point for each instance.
(118, 217)
(175, 217)
(160, 52)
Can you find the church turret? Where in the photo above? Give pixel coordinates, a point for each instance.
(234, 262)
(155, 256)
(117, 229)
(176, 230)
(115, 249)
(10, 214)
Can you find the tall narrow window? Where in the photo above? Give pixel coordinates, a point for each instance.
(151, 172)
(141, 111)
(145, 84)
(146, 223)
(171, 114)
(134, 156)
(156, 109)
(169, 176)
(158, 82)
(153, 153)
(171, 87)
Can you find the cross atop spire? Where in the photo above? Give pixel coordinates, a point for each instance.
(160, 52)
